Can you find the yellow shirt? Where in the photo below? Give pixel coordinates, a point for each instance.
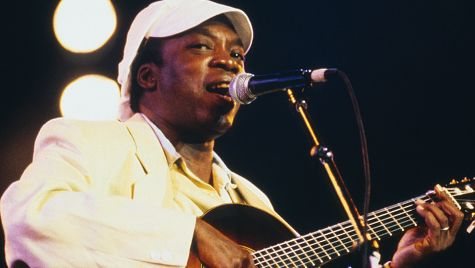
(190, 193)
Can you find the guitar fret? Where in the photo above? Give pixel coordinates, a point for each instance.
(256, 256)
(408, 224)
(273, 259)
(280, 260)
(401, 221)
(303, 252)
(388, 228)
(338, 238)
(388, 218)
(295, 254)
(394, 219)
(287, 255)
(353, 235)
(404, 217)
(408, 215)
(313, 251)
(257, 259)
(382, 224)
(331, 245)
(372, 232)
(320, 246)
(348, 235)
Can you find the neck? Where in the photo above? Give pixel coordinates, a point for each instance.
(198, 156)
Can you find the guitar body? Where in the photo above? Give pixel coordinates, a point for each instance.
(248, 226)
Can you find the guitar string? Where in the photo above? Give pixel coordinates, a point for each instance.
(319, 262)
(401, 224)
(345, 246)
(466, 200)
(405, 225)
(336, 235)
(310, 262)
(387, 216)
(388, 211)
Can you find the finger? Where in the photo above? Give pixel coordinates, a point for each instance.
(431, 222)
(446, 204)
(433, 215)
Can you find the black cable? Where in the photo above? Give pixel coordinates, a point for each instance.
(364, 156)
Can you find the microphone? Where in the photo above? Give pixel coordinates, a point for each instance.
(246, 87)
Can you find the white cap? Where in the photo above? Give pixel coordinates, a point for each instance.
(167, 18)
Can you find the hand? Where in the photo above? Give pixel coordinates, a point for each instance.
(442, 222)
(216, 250)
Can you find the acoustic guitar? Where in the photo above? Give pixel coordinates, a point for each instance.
(273, 245)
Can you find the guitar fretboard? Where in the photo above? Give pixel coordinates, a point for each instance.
(322, 246)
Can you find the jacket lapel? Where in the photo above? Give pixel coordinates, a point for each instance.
(155, 186)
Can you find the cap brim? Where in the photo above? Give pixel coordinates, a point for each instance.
(196, 12)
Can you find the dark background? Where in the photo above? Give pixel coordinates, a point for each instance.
(410, 62)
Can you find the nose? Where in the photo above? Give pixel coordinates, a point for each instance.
(225, 61)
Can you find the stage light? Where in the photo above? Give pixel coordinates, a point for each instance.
(82, 26)
(91, 97)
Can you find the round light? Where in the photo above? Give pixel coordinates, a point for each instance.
(83, 26)
(91, 97)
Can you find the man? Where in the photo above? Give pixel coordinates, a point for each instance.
(128, 194)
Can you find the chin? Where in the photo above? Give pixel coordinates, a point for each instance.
(225, 122)
(209, 132)
(222, 126)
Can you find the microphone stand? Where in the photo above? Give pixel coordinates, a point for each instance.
(326, 159)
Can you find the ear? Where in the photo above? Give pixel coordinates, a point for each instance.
(147, 76)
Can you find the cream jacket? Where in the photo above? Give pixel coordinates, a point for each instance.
(96, 195)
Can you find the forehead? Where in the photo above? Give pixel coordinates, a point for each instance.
(215, 27)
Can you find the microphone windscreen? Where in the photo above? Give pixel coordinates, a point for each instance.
(239, 88)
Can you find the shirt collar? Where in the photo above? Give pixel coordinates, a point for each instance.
(172, 156)
(170, 152)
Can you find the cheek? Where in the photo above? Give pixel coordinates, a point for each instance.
(182, 82)
(191, 77)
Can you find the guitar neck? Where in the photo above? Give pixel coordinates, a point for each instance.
(324, 245)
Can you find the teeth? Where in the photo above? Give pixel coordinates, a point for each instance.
(221, 86)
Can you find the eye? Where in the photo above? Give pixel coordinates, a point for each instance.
(201, 46)
(237, 55)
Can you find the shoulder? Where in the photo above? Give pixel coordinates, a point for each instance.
(66, 132)
(67, 125)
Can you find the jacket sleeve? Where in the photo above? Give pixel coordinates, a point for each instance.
(57, 215)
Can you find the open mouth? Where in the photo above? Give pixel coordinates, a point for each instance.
(221, 88)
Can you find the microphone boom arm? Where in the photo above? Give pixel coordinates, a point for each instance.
(326, 159)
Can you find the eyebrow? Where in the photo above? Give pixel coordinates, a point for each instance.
(207, 32)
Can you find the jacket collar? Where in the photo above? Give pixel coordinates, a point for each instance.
(148, 148)
(155, 185)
